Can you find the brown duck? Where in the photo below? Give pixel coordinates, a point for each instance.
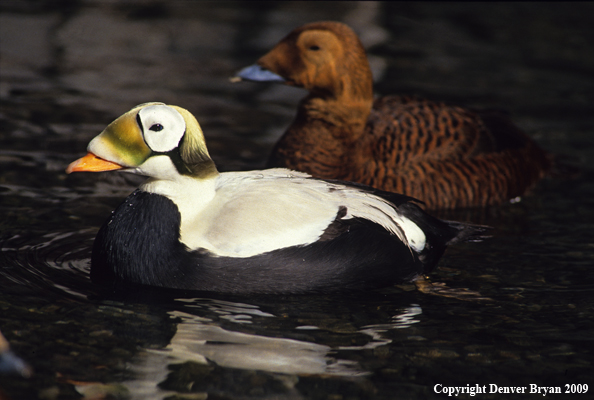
(447, 156)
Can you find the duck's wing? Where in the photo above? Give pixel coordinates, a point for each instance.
(260, 211)
(449, 156)
(438, 234)
(412, 129)
(484, 180)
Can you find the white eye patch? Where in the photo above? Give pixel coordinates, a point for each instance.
(162, 127)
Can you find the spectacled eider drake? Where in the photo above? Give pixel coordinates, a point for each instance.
(444, 155)
(272, 231)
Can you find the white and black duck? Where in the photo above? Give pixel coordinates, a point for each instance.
(271, 231)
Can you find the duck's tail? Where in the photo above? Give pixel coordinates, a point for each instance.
(468, 232)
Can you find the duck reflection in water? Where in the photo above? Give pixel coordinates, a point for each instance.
(201, 347)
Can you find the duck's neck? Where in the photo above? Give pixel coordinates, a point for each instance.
(345, 116)
(346, 104)
(322, 135)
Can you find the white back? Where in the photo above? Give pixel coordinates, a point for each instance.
(254, 212)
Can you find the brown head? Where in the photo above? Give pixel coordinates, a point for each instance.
(326, 58)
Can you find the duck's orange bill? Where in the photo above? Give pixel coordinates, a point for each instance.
(92, 163)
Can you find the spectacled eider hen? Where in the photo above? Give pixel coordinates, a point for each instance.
(272, 231)
(444, 155)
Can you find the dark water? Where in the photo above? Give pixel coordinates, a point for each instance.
(514, 310)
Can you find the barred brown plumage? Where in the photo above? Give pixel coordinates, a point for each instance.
(447, 156)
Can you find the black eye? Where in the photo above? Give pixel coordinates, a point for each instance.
(314, 47)
(156, 127)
